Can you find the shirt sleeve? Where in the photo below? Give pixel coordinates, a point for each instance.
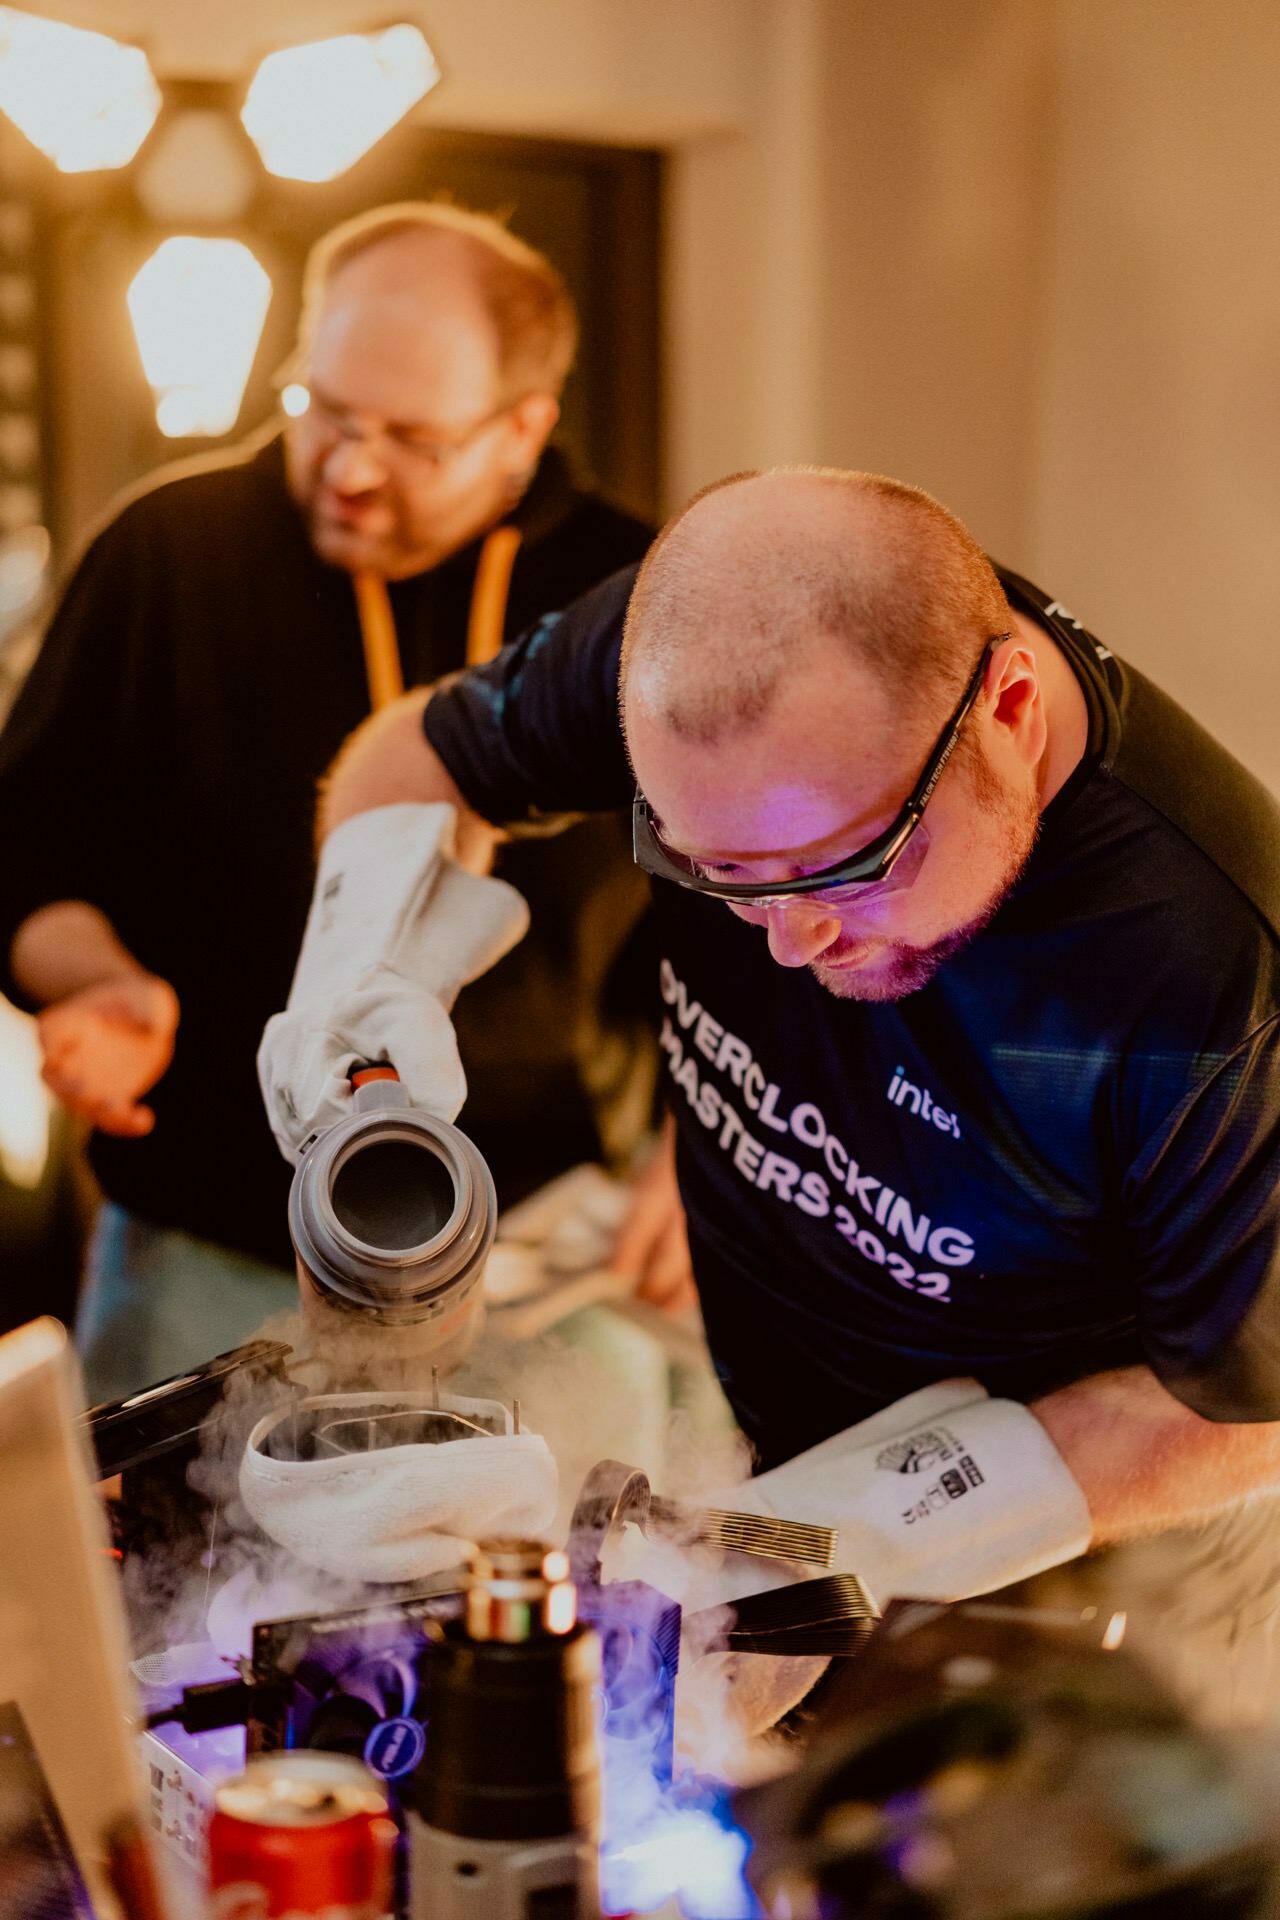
(536, 732)
(63, 743)
(1203, 1216)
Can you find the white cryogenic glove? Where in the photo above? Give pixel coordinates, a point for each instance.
(396, 927)
(945, 1494)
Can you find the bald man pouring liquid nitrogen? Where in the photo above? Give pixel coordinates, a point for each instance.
(968, 1004)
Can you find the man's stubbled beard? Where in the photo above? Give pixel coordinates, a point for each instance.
(903, 969)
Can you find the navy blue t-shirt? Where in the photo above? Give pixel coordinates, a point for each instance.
(1061, 1155)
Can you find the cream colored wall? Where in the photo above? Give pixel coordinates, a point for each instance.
(1053, 297)
(938, 135)
(746, 266)
(1157, 504)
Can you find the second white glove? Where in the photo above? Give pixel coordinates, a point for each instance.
(944, 1494)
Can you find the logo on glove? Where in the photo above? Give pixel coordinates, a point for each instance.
(925, 1452)
(918, 1452)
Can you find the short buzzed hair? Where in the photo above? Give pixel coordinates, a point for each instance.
(902, 584)
(526, 297)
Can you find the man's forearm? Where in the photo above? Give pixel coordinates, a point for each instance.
(65, 947)
(1145, 1462)
(389, 759)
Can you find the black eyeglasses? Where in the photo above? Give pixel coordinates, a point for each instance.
(406, 442)
(872, 866)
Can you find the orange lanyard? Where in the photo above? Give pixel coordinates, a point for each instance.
(484, 624)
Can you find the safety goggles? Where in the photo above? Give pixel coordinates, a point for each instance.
(888, 862)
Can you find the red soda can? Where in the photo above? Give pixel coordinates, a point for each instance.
(301, 1836)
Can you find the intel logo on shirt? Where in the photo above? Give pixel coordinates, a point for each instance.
(902, 1093)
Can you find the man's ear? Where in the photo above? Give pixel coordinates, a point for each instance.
(1017, 705)
(533, 418)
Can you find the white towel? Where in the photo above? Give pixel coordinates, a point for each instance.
(399, 1513)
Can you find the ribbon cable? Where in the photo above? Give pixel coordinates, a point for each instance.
(833, 1614)
(484, 625)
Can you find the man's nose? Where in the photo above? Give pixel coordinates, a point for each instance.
(354, 466)
(798, 933)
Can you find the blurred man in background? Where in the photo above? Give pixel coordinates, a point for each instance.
(221, 636)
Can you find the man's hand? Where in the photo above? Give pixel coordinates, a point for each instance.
(107, 1045)
(652, 1242)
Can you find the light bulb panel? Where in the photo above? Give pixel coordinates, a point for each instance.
(312, 111)
(86, 101)
(197, 308)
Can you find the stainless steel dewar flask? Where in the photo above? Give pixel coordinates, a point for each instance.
(392, 1213)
